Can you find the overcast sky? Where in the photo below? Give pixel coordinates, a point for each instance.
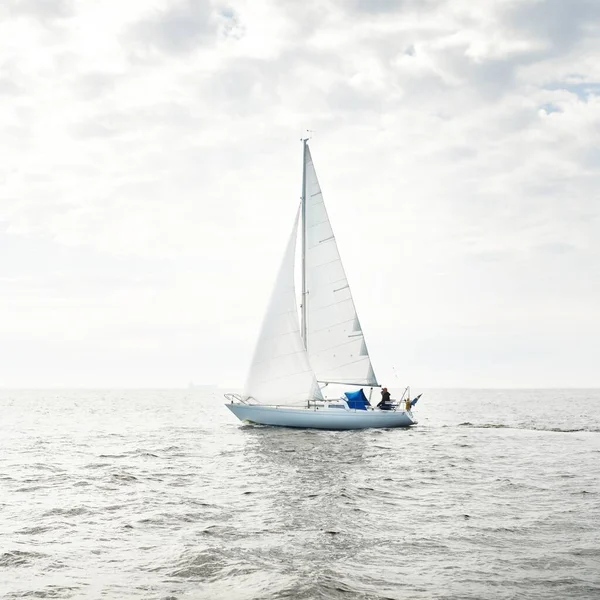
(150, 170)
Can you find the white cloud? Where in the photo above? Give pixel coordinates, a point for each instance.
(456, 143)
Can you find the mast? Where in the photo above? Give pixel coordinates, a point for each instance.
(303, 211)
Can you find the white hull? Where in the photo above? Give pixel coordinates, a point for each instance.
(321, 418)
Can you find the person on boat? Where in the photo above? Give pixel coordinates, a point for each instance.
(407, 403)
(386, 402)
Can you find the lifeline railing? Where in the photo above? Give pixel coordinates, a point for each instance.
(394, 406)
(238, 398)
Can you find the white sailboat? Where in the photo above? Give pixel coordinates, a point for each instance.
(296, 359)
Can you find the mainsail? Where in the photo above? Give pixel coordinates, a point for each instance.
(334, 340)
(280, 372)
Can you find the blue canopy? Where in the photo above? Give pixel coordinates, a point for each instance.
(357, 400)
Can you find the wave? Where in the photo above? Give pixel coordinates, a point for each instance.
(123, 477)
(485, 425)
(204, 565)
(67, 512)
(35, 530)
(530, 427)
(18, 558)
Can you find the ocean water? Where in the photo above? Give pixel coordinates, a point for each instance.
(163, 494)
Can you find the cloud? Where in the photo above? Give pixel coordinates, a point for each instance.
(183, 26)
(560, 25)
(456, 144)
(39, 9)
(9, 88)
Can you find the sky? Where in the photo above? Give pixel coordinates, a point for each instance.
(150, 171)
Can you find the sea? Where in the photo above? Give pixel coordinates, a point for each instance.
(163, 494)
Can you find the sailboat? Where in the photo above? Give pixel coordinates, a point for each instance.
(297, 359)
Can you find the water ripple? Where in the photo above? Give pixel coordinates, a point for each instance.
(163, 495)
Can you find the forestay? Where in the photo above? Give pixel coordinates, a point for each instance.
(280, 372)
(335, 343)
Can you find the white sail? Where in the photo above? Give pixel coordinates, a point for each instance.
(280, 372)
(335, 343)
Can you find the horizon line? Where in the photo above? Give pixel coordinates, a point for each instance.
(216, 386)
